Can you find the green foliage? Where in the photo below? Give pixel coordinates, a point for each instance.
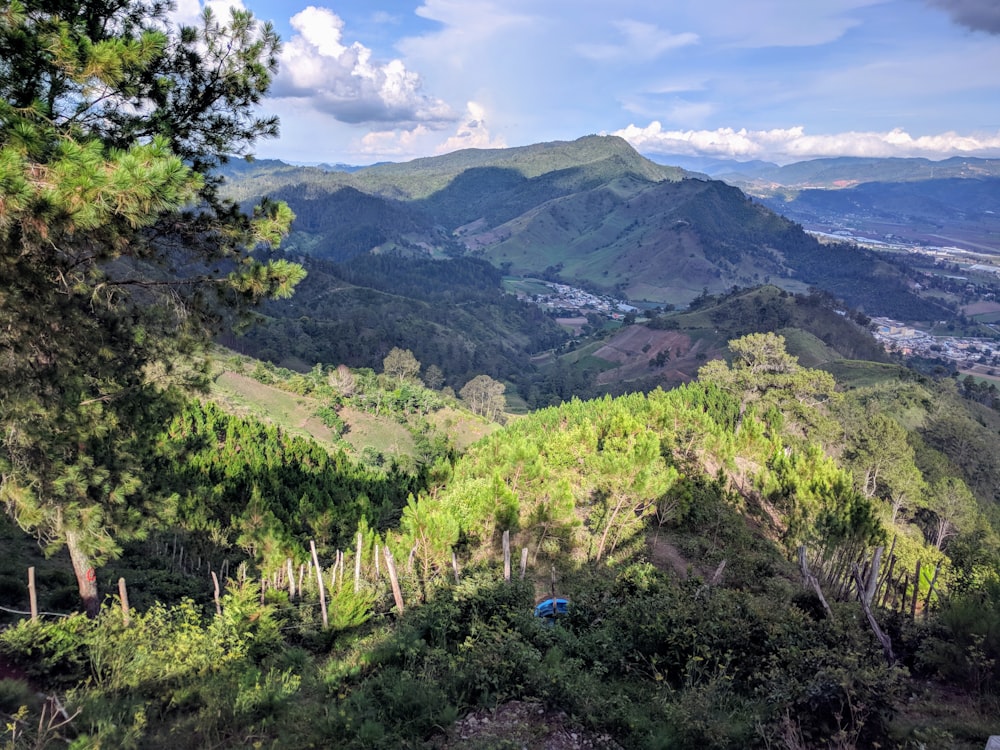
(963, 644)
(818, 500)
(270, 493)
(109, 122)
(332, 419)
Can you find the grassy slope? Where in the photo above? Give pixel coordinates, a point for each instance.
(702, 334)
(296, 414)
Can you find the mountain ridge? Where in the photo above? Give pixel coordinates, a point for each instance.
(591, 212)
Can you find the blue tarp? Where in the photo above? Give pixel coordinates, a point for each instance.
(551, 608)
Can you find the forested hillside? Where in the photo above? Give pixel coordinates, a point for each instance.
(591, 213)
(673, 524)
(453, 314)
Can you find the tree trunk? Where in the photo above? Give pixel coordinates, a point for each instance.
(86, 576)
(607, 528)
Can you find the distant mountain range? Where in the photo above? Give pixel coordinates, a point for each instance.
(593, 213)
(954, 202)
(836, 172)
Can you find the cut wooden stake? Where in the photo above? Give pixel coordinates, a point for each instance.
(319, 580)
(524, 561)
(882, 637)
(506, 556)
(123, 595)
(390, 566)
(811, 581)
(291, 577)
(32, 594)
(717, 576)
(357, 564)
(873, 575)
(218, 604)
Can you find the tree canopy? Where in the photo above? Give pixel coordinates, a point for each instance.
(117, 257)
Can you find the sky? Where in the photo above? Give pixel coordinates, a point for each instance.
(365, 81)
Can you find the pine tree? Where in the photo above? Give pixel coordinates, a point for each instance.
(118, 259)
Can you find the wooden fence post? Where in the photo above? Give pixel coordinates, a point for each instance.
(291, 577)
(524, 561)
(390, 566)
(810, 580)
(506, 556)
(319, 580)
(32, 594)
(357, 564)
(869, 593)
(123, 595)
(218, 604)
(872, 622)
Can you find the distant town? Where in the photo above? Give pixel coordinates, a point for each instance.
(572, 299)
(967, 354)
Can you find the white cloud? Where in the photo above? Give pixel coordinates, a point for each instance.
(472, 133)
(779, 23)
(420, 140)
(642, 41)
(794, 144)
(188, 12)
(344, 81)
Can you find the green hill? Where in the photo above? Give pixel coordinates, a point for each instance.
(591, 212)
(670, 522)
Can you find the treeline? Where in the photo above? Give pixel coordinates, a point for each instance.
(719, 481)
(450, 313)
(248, 486)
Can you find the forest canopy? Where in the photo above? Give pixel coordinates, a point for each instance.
(118, 260)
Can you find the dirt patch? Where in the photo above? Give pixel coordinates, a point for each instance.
(665, 556)
(981, 308)
(633, 348)
(573, 325)
(640, 342)
(519, 724)
(244, 396)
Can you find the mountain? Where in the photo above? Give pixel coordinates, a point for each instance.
(952, 202)
(592, 213)
(835, 172)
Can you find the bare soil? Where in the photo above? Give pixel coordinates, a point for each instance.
(626, 349)
(979, 308)
(518, 725)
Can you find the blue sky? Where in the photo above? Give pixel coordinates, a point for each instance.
(363, 81)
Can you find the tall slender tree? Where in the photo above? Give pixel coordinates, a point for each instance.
(118, 259)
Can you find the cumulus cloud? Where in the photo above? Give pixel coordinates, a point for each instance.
(343, 80)
(188, 12)
(472, 133)
(420, 140)
(978, 15)
(640, 41)
(794, 144)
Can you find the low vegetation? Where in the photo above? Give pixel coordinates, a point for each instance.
(670, 521)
